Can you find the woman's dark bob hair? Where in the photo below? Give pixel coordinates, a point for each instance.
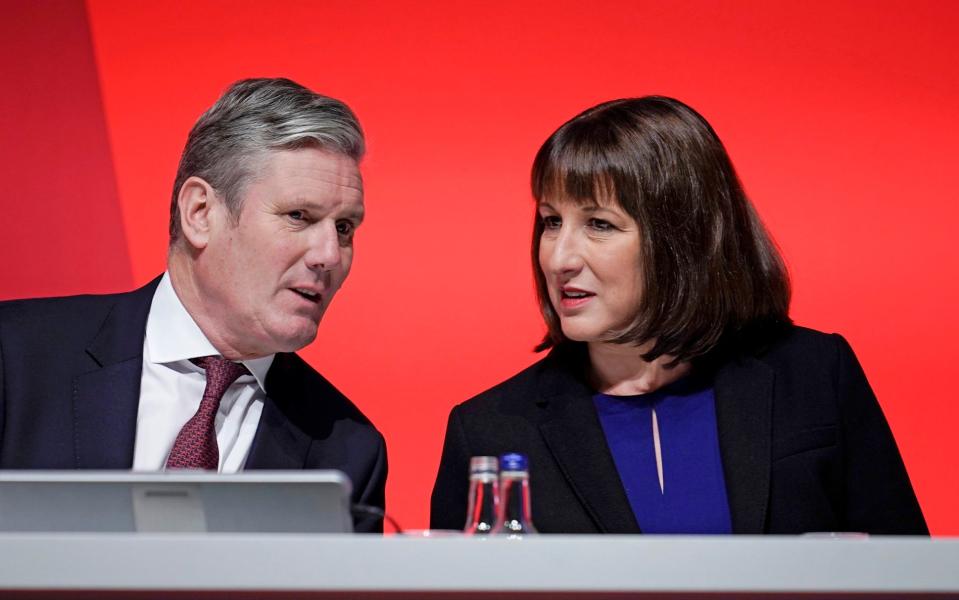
(712, 276)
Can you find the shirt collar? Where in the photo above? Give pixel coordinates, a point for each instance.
(173, 336)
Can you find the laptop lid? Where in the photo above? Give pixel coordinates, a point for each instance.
(175, 501)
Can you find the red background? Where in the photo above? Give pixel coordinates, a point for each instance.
(841, 117)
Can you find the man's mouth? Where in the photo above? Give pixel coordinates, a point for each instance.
(310, 295)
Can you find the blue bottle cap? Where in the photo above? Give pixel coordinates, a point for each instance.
(513, 462)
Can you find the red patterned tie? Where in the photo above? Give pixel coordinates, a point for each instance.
(195, 446)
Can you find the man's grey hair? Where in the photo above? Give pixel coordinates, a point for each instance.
(228, 143)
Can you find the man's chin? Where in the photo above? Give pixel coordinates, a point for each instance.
(296, 341)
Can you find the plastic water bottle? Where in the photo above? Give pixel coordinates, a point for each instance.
(484, 495)
(515, 515)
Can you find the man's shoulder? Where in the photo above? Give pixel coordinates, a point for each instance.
(29, 307)
(307, 396)
(35, 317)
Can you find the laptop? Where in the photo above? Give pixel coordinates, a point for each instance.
(175, 501)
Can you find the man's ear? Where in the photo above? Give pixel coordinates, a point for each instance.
(196, 201)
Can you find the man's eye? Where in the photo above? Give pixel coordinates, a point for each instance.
(296, 215)
(345, 228)
(551, 222)
(600, 225)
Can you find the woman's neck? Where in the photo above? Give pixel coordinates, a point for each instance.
(619, 369)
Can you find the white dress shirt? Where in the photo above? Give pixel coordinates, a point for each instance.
(171, 388)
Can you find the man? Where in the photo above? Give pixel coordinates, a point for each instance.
(196, 369)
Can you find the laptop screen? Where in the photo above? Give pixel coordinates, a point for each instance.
(175, 501)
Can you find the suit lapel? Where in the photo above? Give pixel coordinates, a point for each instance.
(278, 443)
(105, 415)
(574, 436)
(744, 392)
(105, 400)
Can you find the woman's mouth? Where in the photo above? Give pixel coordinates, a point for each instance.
(571, 298)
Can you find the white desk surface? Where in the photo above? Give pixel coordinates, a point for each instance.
(540, 566)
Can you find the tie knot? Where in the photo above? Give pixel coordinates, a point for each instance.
(220, 372)
(195, 446)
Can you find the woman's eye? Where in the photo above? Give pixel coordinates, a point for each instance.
(600, 225)
(551, 222)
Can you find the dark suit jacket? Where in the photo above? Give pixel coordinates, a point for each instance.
(803, 442)
(70, 387)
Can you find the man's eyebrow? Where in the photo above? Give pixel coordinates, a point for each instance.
(356, 215)
(324, 208)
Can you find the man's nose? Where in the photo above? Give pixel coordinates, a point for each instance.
(324, 252)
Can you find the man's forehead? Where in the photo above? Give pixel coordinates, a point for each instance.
(303, 165)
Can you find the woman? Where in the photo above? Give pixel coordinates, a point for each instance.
(677, 397)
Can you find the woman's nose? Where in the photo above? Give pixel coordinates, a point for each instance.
(561, 254)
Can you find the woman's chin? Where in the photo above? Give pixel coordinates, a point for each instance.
(582, 334)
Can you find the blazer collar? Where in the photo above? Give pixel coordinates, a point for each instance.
(120, 337)
(744, 400)
(105, 400)
(744, 397)
(575, 437)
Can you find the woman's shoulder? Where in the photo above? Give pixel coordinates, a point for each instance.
(795, 343)
(801, 355)
(560, 370)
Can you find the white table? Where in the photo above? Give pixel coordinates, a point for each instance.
(340, 566)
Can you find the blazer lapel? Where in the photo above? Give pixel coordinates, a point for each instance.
(744, 392)
(278, 443)
(105, 415)
(573, 433)
(105, 400)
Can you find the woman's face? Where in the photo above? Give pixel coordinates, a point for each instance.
(590, 257)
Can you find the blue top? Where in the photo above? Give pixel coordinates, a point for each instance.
(693, 495)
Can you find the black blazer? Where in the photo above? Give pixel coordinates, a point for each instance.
(70, 388)
(803, 442)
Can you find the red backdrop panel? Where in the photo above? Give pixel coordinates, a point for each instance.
(840, 117)
(62, 231)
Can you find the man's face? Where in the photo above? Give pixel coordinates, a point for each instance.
(267, 279)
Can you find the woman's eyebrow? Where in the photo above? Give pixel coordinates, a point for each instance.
(594, 208)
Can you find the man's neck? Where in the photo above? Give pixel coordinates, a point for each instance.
(183, 280)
